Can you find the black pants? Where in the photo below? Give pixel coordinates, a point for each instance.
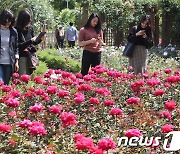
(61, 43)
(89, 59)
(71, 43)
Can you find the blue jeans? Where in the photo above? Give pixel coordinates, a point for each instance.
(5, 73)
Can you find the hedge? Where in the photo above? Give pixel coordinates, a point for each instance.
(55, 61)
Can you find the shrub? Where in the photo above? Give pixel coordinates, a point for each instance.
(55, 61)
(41, 69)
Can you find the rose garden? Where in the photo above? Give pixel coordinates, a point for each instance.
(56, 110)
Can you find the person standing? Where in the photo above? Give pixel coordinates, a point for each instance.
(9, 53)
(91, 38)
(26, 41)
(60, 37)
(142, 37)
(71, 35)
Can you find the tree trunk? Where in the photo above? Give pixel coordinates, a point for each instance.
(118, 36)
(166, 28)
(85, 8)
(156, 28)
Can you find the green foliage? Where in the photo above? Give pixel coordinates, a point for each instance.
(170, 5)
(55, 61)
(41, 10)
(62, 4)
(67, 16)
(40, 70)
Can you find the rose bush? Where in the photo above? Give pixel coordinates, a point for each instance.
(65, 113)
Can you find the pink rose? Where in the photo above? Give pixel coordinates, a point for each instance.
(116, 111)
(133, 133)
(38, 79)
(133, 100)
(168, 70)
(15, 75)
(159, 92)
(57, 71)
(79, 97)
(12, 114)
(12, 102)
(12, 143)
(173, 79)
(165, 114)
(25, 123)
(52, 89)
(6, 88)
(84, 87)
(68, 119)
(109, 102)
(106, 144)
(36, 108)
(171, 105)
(63, 93)
(153, 82)
(167, 128)
(5, 128)
(55, 109)
(94, 100)
(37, 130)
(84, 143)
(25, 78)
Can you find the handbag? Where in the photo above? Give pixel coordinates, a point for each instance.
(149, 43)
(128, 50)
(33, 60)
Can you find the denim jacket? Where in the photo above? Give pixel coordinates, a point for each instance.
(13, 46)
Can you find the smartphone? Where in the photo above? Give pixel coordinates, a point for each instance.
(41, 34)
(143, 31)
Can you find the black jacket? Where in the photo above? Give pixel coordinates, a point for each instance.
(13, 46)
(138, 40)
(24, 41)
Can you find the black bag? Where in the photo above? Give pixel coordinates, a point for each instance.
(33, 60)
(128, 50)
(149, 43)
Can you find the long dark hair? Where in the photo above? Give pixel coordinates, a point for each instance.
(145, 18)
(7, 16)
(23, 19)
(98, 27)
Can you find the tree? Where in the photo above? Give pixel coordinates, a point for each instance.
(41, 10)
(59, 5)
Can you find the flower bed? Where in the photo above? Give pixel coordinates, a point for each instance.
(68, 114)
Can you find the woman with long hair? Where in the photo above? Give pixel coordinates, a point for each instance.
(9, 53)
(91, 38)
(142, 37)
(27, 41)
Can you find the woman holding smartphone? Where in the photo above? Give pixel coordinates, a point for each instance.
(141, 36)
(91, 38)
(27, 41)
